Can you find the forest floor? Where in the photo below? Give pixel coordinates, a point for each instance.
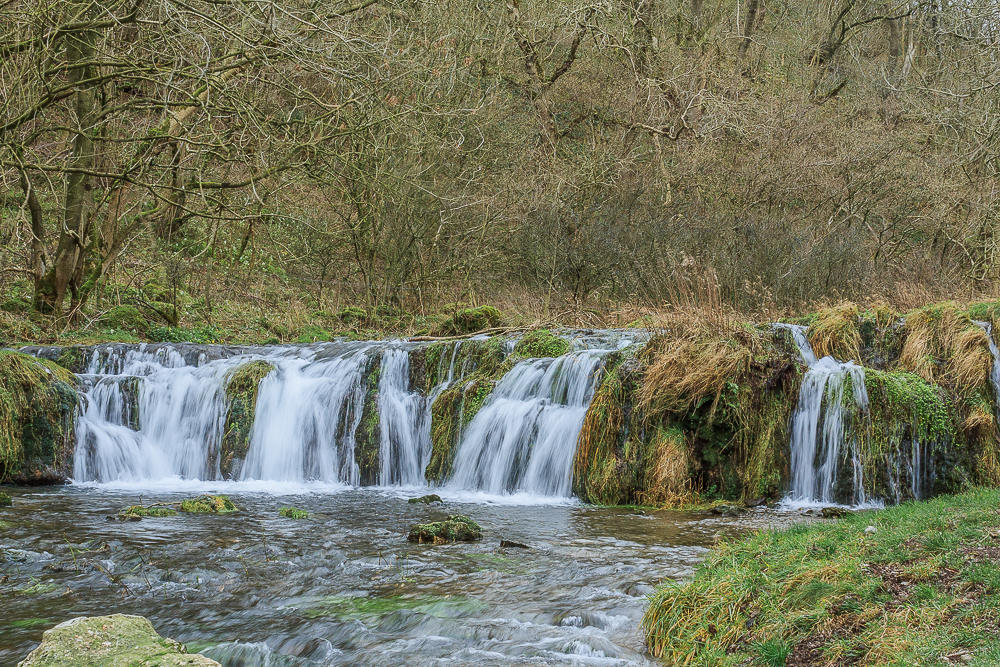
(915, 584)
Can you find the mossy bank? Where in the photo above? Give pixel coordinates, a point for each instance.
(915, 584)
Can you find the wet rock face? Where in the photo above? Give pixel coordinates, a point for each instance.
(115, 641)
(37, 403)
(426, 500)
(456, 528)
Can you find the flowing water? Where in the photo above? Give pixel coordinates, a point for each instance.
(995, 371)
(342, 586)
(818, 428)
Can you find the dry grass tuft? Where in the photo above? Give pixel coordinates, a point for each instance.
(835, 333)
(682, 372)
(668, 480)
(943, 345)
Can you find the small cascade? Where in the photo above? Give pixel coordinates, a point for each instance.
(145, 414)
(162, 412)
(405, 437)
(524, 437)
(308, 411)
(818, 427)
(995, 371)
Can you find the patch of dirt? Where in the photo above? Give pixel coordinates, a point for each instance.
(809, 651)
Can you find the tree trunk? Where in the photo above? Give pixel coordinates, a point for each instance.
(63, 275)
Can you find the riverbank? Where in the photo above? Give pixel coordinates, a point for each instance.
(912, 584)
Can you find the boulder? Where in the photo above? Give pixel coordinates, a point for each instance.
(456, 528)
(118, 640)
(426, 500)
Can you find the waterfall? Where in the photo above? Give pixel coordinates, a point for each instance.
(405, 437)
(308, 411)
(818, 426)
(159, 412)
(995, 371)
(524, 437)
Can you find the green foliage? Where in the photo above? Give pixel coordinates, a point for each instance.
(352, 315)
(912, 590)
(200, 334)
(541, 343)
(5, 499)
(312, 333)
(125, 318)
(208, 504)
(37, 406)
(456, 528)
(293, 513)
(470, 320)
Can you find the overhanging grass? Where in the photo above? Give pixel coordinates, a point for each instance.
(921, 588)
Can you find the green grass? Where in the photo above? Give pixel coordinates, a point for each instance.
(921, 588)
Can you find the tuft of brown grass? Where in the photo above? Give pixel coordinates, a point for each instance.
(668, 480)
(835, 333)
(943, 345)
(682, 372)
(978, 422)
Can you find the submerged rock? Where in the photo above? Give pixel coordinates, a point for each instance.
(456, 528)
(118, 640)
(834, 512)
(426, 500)
(137, 512)
(293, 513)
(209, 505)
(728, 509)
(511, 544)
(5, 500)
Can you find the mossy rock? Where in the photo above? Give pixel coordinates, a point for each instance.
(125, 318)
(426, 500)
(134, 512)
(242, 387)
(541, 343)
(5, 499)
(209, 505)
(352, 315)
(367, 438)
(456, 528)
(293, 513)
(38, 401)
(73, 359)
(118, 640)
(470, 320)
(312, 333)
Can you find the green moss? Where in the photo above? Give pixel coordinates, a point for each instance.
(367, 438)
(208, 505)
(348, 608)
(242, 387)
(141, 511)
(456, 528)
(293, 513)
(426, 500)
(352, 315)
(113, 641)
(445, 431)
(470, 320)
(541, 343)
(37, 406)
(5, 500)
(312, 333)
(73, 359)
(125, 318)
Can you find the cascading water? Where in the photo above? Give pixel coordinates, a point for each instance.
(524, 437)
(818, 427)
(159, 412)
(995, 371)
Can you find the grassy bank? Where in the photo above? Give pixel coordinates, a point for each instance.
(919, 589)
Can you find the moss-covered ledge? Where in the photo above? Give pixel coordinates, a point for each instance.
(242, 386)
(38, 400)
